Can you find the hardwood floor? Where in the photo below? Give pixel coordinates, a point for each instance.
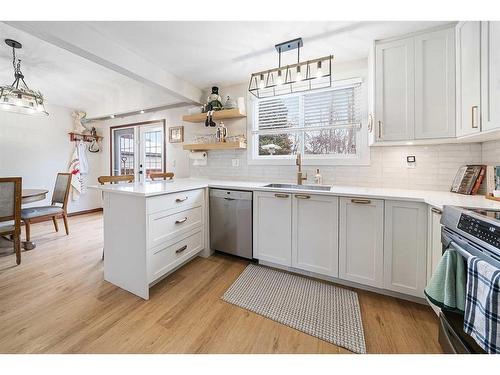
(56, 301)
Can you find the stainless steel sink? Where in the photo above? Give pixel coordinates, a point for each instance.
(299, 187)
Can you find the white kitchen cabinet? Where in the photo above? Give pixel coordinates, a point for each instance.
(272, 227)
(394, 90)
(490, 75)
(435, 84)
(361, 241)
(434, 247)
(315, 233)
(405, 247)
(468, 65)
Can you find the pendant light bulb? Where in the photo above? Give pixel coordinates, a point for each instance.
(319, 72)
(298, 77)
(262, 84)
(279, 80)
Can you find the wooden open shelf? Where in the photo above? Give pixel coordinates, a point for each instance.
(224, 114)
(83, 137)
(215, 146)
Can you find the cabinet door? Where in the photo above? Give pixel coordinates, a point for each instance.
(405, 244)
(361, 241)
(434, 248)
(490, 72)
(272, 227)
(468, 49)
(315, 233)
(394, 90)
(435, 84)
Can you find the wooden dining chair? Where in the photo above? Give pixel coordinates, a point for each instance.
(10, 211)
(115, 179)
(57, 209)
(162, 176)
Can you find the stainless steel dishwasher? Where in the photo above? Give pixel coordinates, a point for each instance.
(231, 222)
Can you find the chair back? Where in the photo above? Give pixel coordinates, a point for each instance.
(115, 179)
(162, 176)
(61, 189)
(10, 200)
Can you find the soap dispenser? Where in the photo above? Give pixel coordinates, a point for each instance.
(318, 178)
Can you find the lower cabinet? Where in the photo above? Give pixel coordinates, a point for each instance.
(405, 247)
(361, 241)
(272, 227)
(315, 234)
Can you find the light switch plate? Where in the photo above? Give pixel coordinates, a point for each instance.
(411, 161)
(235, 162)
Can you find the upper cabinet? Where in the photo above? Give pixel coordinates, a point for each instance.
(435, 84)
(490, 75)
(414, 87)
(395, 90)
(468, 36)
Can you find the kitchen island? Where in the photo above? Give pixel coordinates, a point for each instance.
(153, 228)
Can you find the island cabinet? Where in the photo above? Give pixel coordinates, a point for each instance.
(361, 241)
(146, 238)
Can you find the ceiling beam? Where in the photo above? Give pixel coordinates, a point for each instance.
(83, 40)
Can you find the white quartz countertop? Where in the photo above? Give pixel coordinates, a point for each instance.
(435, 198)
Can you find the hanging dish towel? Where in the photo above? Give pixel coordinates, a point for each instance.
(482, 319)
(82, 157)
(446, 289)
(76, 180)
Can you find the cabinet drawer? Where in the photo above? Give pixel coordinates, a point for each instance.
(166, 225)
(165, 259)
(183, 199)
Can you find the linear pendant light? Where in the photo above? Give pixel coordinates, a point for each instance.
(302, 76)
(18, 97)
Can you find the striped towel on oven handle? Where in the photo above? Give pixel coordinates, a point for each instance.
(481, 319)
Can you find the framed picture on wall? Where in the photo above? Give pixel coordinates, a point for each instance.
(176, 134)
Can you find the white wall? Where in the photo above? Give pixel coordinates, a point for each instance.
(37, 148)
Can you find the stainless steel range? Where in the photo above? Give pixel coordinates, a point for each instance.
(470, 233)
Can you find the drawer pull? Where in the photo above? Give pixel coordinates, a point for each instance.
(179, 200)
(178, 251)
(281, 195)
(302, 196)
(181, 220)
(436, 211)
(361, 201)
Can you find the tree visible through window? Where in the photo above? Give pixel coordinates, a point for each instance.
(324, 123)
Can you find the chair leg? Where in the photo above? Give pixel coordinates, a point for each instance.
(54, 220)
(65, 219)
(17, 247)
(27, 226)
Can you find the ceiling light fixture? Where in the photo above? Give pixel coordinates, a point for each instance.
(263, 84)
(142, 111)
(112, 116)
(18, 97)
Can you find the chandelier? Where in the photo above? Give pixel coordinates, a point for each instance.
(302, 76)
(18, 97)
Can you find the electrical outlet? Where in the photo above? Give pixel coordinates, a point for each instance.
(235, 162)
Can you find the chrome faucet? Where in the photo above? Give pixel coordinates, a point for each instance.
(300, 176)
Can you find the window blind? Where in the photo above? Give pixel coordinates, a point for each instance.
(278, 113)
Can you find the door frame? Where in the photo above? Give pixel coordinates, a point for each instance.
(161, 122)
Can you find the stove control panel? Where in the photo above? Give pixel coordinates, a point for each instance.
(486, 232)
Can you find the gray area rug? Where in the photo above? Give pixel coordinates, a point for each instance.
(319, 309)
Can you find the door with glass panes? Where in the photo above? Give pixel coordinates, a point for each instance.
(138, 149)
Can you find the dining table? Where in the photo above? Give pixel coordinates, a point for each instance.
(27, 196)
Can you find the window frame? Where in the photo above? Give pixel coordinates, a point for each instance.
(362, 156)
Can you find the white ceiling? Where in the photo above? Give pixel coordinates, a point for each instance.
(71, 81)
(203, 53)
(225, 53)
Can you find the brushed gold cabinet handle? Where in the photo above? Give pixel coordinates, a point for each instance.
(436, 211)
(302, 196)
(370, 123)
(181, 221)
(179, 200)
(281, 195)
(181, 249)
(379, 129)
(361, 201)
(474, 115)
